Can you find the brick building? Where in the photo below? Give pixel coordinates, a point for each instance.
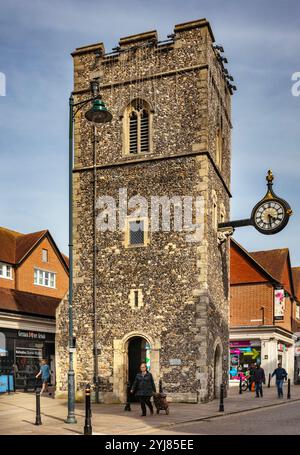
(264, 313)
(33, 280)
(156, 295)
(296, 328)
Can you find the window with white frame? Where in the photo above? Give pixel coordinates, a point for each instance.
(5, 271)
(44, 278)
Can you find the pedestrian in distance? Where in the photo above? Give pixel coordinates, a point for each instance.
(259, 379)
(251, 376)
(143, 388)
(45, 373)
(280, 375)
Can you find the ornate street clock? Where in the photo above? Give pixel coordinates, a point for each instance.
(269, 216)
(272, 213)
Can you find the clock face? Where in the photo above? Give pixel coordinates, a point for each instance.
(270, 217)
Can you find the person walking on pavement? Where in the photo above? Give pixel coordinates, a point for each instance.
(144, 387)
(251, 376)
(280, 374)
(259, 379)
(45, 372)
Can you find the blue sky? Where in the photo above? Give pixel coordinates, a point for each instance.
(261, 41)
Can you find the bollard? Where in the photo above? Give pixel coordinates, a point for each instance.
(127, 405)
(88, 422)
(269, 381)
(38, 420)
(221, 408)
(160, 386)
(289, 389)
(240, 391)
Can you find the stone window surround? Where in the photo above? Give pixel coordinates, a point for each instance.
(127, 243)
(132, 295)
(126, 128)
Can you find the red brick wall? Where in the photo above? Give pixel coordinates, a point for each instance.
(25, 277)
(246, 302)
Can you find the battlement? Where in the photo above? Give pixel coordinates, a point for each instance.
(149, 37)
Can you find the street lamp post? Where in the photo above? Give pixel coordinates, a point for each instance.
(97, 114)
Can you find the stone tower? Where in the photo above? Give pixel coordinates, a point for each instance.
(156, 294)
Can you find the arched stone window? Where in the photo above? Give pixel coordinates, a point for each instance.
(137, 127)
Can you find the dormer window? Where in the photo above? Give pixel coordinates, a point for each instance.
(137, 126)
(5, 271)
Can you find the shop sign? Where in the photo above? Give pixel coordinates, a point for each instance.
(281, 347)
(239, 343)
(29, 353)
(31, 335)
(279, 304)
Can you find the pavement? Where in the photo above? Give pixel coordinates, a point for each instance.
(17, 414)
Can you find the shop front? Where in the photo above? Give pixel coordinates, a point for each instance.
(22, 353)
(243, 353)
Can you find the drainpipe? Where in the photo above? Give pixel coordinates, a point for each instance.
(263, 315)
(96, 378)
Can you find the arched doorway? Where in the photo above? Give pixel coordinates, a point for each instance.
(218, 370)
(138, 351)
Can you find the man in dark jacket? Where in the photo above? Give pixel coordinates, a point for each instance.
(251, 376)
(144, 387)
(259, 379)
(280, 374)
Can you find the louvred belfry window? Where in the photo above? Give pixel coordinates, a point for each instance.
(139, 127)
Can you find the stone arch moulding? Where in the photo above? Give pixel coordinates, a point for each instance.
(217, 366)
(120, 362)
(126, 105)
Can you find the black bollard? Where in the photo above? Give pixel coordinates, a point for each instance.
(221, 408)
(240, 391)
(160, 386)
(269, 381)
(38, 420)
(127, 405)
(289, 389)
(88, 422)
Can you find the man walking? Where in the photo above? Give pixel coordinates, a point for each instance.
(280, 374)
(259, 379)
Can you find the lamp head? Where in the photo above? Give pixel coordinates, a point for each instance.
(98, 112)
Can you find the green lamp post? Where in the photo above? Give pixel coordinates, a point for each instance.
(97, 114)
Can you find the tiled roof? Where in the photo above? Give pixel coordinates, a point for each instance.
(14, 246)
(272, 260)
(296, 279)
(27, 303)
